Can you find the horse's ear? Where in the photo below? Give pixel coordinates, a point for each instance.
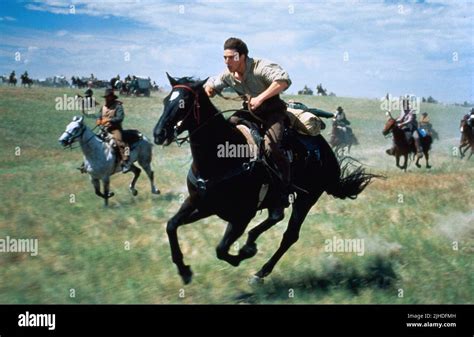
(78, 119)
(173, 82)
(200, 84)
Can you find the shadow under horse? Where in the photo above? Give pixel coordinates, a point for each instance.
(231, 187)
(402, 147)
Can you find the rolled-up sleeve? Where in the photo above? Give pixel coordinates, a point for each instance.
(217, 82)
(272, 72)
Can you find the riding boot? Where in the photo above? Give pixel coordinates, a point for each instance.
(283, 166)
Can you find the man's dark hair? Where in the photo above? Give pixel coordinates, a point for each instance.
(236, 44)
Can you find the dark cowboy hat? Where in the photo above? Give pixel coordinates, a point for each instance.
(109, 92)
(339, 108)
(424, 114)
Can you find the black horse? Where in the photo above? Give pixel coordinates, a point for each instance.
(231, 188)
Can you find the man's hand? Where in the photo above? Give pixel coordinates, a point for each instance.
(209, 91)
(103, 121)
(255, 102)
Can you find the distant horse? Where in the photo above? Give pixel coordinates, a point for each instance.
(26, 81)
(100, 157)
(123, 87)
(467, 138)
(402, 148)
(12, 81)
(76, 81)
(320, 90)
(234, 188)
(341, 140)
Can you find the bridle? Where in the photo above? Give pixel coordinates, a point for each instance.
(73, 138)
(195, 110)
(196, 107)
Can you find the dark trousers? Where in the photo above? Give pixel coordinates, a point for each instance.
(273, 114)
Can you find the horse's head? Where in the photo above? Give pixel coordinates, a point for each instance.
(181, 109)
(74, 130)
(389, 125)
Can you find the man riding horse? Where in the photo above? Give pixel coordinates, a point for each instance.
(342, 123)
(469, 119)
(111, 118)
(261, 82)
(12, 78)
(408, 123)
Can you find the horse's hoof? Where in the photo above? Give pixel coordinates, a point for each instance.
(111, 194)
(134, 192)
(418, 165)
(155, 191)
(186, 274)
(248, 251)
(428, 166)
(256, 280)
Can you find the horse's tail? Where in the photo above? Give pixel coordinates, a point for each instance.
(352, 180)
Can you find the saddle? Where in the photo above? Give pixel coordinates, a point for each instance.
(131, 136)
(298, 144)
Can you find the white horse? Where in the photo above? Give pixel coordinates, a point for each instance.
(100, 159)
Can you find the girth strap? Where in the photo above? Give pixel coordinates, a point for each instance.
(204, 185)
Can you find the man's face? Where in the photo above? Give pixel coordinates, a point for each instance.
(232, 60)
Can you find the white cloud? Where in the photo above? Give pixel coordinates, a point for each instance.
(386, 46)
(7, 18)
(61, 32)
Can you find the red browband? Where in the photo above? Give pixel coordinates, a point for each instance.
(196, 106)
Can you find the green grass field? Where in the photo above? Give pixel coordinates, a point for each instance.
(410, 222)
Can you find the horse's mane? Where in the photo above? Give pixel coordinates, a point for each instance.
(186, 80)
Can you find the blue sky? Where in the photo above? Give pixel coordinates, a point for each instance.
(354, 48)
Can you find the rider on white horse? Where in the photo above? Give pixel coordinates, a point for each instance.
(111, 118)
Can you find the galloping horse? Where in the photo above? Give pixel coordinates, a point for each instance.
(26, 81)
(235, 188)
(100, 159)
(340, 140)
(12, 81)
(402, 147)
(467, 138)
